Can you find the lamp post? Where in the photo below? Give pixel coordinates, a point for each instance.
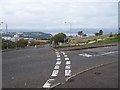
(70, 30)
(70, 26)
(6, 31)
(1, 28)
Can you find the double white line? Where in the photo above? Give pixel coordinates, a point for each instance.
(54, 73)
(68, 65)
(57, 67)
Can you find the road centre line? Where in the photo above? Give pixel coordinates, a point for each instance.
(58, 62)
(58, 55)
(67, 66)
(66, 58)
(68, 62)
(67, 72)
(65, 55)
(55, 73)
(48, 83)
(58, 58)
(57, 67)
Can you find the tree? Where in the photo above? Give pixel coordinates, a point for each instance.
(7, 44)
(60, 37)
(84, 34)
(101, 32)
(80, 33)
(21, 43)
(111, 34)
(96, 34)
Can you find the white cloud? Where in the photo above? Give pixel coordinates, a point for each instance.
(46, 14)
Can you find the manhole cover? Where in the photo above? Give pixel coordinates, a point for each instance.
(97, 73)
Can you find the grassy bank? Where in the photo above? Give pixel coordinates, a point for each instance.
(105, 41)
(108, 41)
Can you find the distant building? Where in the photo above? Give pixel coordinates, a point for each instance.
(16, 38)
(41, 41)
(6, 38)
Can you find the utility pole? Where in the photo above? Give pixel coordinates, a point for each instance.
(70, 29)
(70, 26)
(6, 32)
(6, 28)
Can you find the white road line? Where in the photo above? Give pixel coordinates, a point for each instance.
(62, 52)
(67, 66)
(58, 62)
(106, 53)
(56, 67)
(58, 58)
(86, 55)
(68, 62)
(55, 73)
(67, 72)
(48, 83)
(66, 58)
(58, 55)
(56, 52)
(65, 55)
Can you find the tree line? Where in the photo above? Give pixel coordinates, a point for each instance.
(61, 37)
(22, 43)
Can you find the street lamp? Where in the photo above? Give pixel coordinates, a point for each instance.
(6, 31)
(5, 25)
(70, 30)
(70, 26)
(1, 28)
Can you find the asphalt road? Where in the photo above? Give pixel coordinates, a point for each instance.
(46, 67)
(102, 77)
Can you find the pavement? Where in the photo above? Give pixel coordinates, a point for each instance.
(46, 67)
(71, 48)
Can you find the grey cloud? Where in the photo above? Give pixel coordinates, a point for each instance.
(52, 13)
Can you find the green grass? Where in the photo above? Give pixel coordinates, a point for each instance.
(106, 41)
(109, 40)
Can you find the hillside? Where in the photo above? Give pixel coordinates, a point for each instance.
(37, 35)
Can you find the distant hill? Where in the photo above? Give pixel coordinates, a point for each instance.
(36, 35)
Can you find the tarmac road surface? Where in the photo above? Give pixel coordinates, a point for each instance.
(46, 67)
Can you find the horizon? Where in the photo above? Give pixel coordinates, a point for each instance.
(74, 31)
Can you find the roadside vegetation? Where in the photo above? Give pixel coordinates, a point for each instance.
(114, 39)
(61, 40)
(22, 43)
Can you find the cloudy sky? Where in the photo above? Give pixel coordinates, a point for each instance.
(51, 14)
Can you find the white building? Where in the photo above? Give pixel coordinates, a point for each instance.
(6, 38)
(16, 38)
